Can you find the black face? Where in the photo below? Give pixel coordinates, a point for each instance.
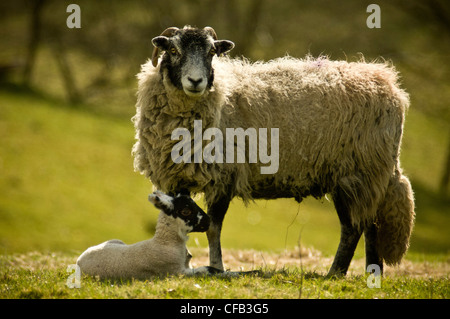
(186, 209)
(183, 207)
(191, 46)
(188, 58)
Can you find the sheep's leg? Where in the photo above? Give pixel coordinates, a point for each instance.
(216, 211)
(349, 237)
(372, 256)
(215, 250)
(347, 245)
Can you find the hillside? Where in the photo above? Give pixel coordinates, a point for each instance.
(68, 183)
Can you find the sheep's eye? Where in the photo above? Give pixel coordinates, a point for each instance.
(185, 212)
(212, 51)
(173, 51)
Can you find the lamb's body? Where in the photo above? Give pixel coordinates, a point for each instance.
(164, 254)
(340, 128)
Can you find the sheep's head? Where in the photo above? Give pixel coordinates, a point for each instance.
(182, 207)
(187, 57)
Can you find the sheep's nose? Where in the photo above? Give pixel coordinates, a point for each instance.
(195, 82)
(204, 224)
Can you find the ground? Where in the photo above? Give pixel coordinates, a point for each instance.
(284, 275)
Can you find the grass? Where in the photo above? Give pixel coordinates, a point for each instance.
(37, 275)
(67, 183)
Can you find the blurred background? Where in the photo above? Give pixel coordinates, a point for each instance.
(67, 97)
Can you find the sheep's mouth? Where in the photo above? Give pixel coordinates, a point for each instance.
(193, 92)
(203, 225)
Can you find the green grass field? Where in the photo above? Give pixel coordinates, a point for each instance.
(37, 275)
(67, 182)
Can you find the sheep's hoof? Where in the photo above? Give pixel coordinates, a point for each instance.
(335, 274)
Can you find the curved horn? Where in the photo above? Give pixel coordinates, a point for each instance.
(169, 32)
(211, 32)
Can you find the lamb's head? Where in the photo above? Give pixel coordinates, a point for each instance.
(182, 207)
(187, 58)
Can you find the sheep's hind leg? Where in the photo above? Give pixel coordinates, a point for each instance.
(372, 256)
(349, 237)
(347, 245)
(216, 211)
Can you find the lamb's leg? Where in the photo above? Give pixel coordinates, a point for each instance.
(207, 270)
(202, 271)
(349, 237)
(188, 258)
(372, 255)
(216, 211)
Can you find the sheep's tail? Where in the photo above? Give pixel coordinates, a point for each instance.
(395, 219)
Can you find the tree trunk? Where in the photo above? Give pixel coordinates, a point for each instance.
(34, 39)
(73, 94)
(443, 187)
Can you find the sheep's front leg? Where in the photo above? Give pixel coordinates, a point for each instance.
(216, 211)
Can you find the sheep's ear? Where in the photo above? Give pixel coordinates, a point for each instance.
(161, 43)
(223, 46)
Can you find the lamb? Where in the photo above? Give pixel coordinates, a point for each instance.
(340, 129)
(164, 254)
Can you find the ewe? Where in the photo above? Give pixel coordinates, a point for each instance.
(340, 129)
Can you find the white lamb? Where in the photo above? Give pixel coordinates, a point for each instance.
(164, 254)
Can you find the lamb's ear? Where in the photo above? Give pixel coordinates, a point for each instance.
(223, 46)
(161, 201)
(161, 43)
(154, 199)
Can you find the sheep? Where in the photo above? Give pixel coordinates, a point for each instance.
(340, 129)
(164, 254)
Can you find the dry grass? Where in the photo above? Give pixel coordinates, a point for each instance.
(312, 260)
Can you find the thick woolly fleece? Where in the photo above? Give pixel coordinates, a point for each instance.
(340, 126)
